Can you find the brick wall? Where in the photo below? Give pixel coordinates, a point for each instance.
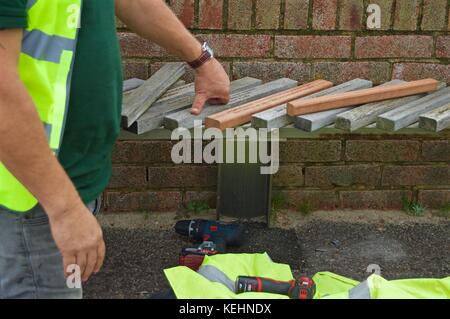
(328, 172)
(308, 39)
(303, 40)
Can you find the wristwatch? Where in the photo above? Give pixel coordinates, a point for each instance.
(207, 53)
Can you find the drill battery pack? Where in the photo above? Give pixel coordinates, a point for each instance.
(193, 257)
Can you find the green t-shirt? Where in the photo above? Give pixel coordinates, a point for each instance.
(93, 119)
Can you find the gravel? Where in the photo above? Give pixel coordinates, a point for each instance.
(137, 256)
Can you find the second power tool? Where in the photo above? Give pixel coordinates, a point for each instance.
(221, 234)
(213, 236)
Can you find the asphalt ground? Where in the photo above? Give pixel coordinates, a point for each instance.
(140, 246)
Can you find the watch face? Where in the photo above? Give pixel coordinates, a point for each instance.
(208, 49)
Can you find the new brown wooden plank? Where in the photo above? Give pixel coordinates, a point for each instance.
(242, 114)
(379, 93)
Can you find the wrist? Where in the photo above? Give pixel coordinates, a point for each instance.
(63, 205)
(204, 68)
(206, 55)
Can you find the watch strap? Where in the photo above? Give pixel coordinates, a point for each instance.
(201, 60)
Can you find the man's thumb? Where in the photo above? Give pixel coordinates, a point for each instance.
(199, 103)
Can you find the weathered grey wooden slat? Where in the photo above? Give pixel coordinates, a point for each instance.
(436, 120)
(314, 121)
(178, 88)
(186, 119)
(408, 114)
(177, 84)
(180, 100)
(132, 84)
(174, 89)
(144, 96)
(367, 114)
(277, 117)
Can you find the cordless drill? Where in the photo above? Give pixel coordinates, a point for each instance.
(214, 236)
(193, 257)
(301, 288)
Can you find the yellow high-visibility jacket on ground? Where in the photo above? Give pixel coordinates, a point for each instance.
(216, 277)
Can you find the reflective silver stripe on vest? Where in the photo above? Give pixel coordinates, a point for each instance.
(31, 3)
(41, 46)
(48, 130)
(215, 275)
(362, 291)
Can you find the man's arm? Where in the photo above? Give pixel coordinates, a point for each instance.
(25, 152)
(153, 20)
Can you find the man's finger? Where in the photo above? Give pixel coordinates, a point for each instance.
(100, 257)
(67, 261)
(199, 103)
(90, 264)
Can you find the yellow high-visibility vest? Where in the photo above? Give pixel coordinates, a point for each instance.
(45, 67)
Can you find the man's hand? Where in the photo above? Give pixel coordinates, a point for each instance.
(212, 85)
(79, 238)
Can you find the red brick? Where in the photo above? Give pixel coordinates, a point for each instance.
(434, 15)
(211, 14)
(434, 199)
(436, 151)
(239, 45)
(394, 46)
(443, 47)
(316, 200)
(340, 72)
(142, 201)
(240, 14)
(351, 13)
(376, 199)
(204, 196)
(268, 14)
(294, 151)
(134, 46)
(296, 14)
(416, 175)
(406, 14)
(136, 69)
(304, 47)
(128, 177)
(289, 176)
(185, 10)
(382, 151)
(269, 71)
(417, 71)
(182, 176)
(340, 176)
(148, 152)
(324, 14)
